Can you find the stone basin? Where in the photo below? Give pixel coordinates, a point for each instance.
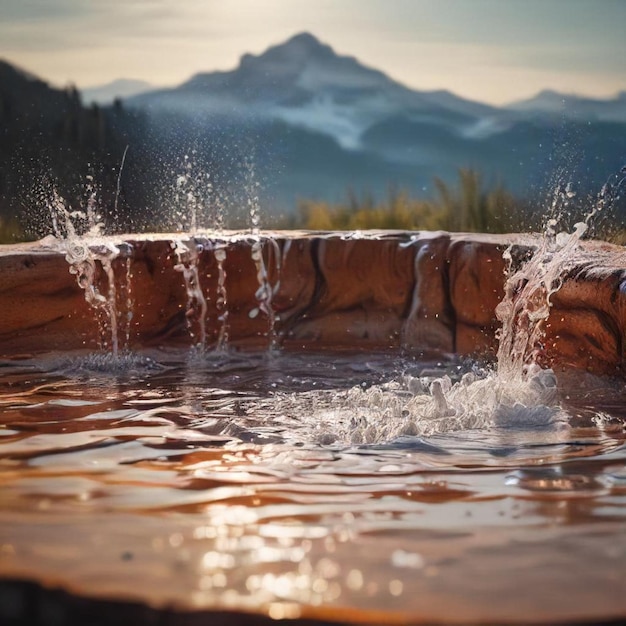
(421, 291)
(115, 498)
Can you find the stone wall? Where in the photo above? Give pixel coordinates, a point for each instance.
(426, 292)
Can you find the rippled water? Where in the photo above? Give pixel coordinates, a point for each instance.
(268, 483)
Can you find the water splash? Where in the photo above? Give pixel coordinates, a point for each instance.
(218, 204)
(126, 364)
(106, 254)
(193, 188)
(80, 236)
(520, 392)
(95, 225)
(266, 291)
(517, 394)
(251, 188)
(221, 301)
(188, 254)
(412, 405)
(530, 285)
(527, 301)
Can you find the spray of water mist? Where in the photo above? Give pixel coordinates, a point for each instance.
(251, 188)
(79, 235)
(196, 198)
(517, 393)
(188, 193)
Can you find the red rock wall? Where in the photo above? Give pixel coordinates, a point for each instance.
(430, 292)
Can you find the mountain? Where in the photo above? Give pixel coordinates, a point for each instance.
(574, 107)
(108, 93)
(298, 121)
(304, 83)
(319, 123)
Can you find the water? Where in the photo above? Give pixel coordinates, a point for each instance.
(221, 298)
(79, 234)
(266, 290)
(197, 205)
(366, 487)
(214, 484)
(187, 255)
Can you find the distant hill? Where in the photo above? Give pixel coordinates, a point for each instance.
(46, 134)
(304, 83)
(121, 88)
(575, 107)
(376, 132)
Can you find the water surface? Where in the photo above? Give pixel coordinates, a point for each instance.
(238, 482)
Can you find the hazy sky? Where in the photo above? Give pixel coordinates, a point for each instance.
(491, 50)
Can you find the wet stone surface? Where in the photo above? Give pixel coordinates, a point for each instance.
(424, 292)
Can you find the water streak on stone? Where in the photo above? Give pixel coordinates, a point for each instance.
(83, 252)
(127, 286)
(265, 292)
(221, 302)
(187, 254)
(105, 254)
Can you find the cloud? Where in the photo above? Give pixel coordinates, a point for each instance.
(32, 11)
(424, 43)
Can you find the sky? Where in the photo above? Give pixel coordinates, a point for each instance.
(495, 51)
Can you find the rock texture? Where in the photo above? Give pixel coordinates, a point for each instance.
(429, 292)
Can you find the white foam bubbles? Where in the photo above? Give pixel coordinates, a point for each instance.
(418, 406)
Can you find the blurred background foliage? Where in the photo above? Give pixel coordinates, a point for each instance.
(467, 206)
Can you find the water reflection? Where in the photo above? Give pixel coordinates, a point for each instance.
(175, 485)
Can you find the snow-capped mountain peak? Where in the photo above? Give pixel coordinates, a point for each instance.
(305, 83)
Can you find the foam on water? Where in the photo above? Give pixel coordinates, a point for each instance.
(517, 393)
(415, 406)
(124, 363)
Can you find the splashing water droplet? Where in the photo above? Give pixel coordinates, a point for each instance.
(80, 236)
(187, 254)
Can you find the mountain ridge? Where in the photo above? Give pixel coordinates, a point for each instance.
(574, 106)
(300, 89)
(316, 124)
(116, 89)
(305, 83)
